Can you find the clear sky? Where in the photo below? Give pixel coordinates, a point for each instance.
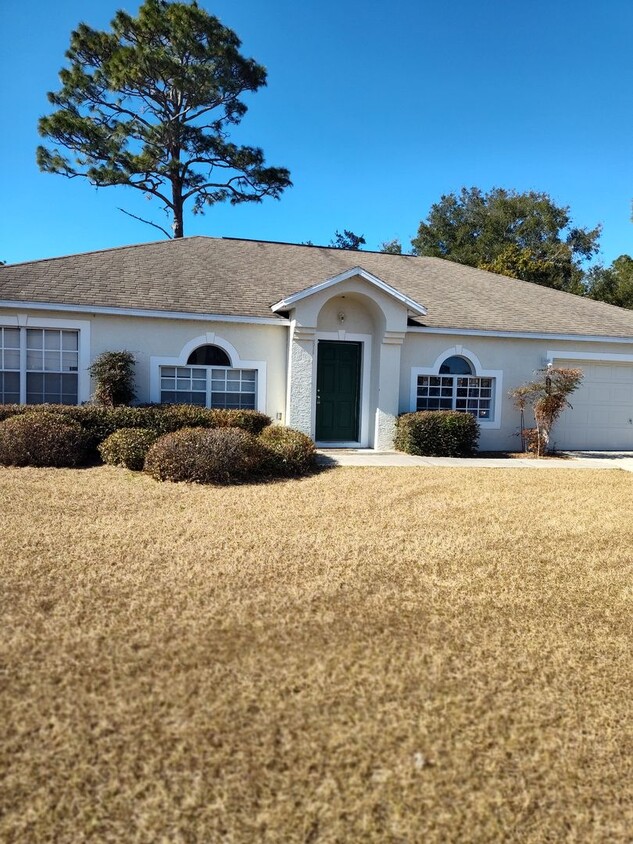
(377, 108)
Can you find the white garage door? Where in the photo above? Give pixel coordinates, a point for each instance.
(602, 414)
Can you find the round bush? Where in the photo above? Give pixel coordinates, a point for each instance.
(437, 433)
(206, 456)
(41, 439)
(127, 447)
(291, 453)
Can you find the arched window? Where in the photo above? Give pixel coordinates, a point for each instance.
(208, 356)
(456, 387)
(456, 365)
(209, 380)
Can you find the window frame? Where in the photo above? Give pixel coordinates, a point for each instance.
(23, 322)
(209, 339)
(478, 372)
(210, 378)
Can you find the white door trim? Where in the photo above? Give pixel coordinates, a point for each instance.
(365, 384)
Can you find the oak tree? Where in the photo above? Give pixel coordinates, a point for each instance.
(612, 284)
(523, 235)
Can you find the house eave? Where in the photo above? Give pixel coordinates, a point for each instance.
(144, 313)
(521, 335)
(287, 303)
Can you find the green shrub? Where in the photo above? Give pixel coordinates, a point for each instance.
(206, 456)
(98, 421)
(172, 417)
(252, 421)
(127, 447)
(7, 411)
(437, 433)
(41, 439)
(176, 416)
(291, 453)
(114, 374)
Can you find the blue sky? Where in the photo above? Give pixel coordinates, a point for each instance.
(377, 109)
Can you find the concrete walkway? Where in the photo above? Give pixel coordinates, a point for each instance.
(574, 460)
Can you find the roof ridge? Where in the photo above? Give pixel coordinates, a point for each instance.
(319, 246)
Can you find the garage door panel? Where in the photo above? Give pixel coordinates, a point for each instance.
(602, 414)
(616, 418)
(600, 393)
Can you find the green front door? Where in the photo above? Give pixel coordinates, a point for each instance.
(338, 391)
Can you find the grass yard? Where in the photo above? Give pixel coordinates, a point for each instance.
(368, 655)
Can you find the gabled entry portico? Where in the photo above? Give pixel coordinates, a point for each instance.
(344, 359)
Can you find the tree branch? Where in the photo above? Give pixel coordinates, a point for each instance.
(149, 222)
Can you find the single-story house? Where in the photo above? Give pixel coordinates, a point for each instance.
(332, 342)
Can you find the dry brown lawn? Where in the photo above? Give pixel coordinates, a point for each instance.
(368, 655)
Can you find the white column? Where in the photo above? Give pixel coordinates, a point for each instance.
(388, 389)
(300, 378)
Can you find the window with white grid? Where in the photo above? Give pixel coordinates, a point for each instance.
(183, 385)
(233, 388)
(467, 393)
(210, 387)
(52, 366)
(9, 365)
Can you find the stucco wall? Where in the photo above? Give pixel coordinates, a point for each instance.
(516, 358)
(149, 337)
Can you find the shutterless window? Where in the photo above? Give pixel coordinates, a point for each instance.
(454, 389)
(9, 365)
(47, 359)
(210, 387)
(233, 388)
(183, 385)
(52, 364)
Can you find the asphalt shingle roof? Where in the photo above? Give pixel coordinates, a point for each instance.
(203, 275)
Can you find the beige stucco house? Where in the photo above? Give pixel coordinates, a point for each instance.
(332, 342)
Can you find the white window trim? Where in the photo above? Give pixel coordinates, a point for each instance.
(24, 321)
(365, 384)
(208, 339)
(480, 372)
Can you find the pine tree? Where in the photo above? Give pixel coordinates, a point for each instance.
(150, 104)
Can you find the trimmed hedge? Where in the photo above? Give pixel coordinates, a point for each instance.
(168, 418)
(99, 422)
(127, 447)
(96, 421)
(41, 439)
(437, 433)
(291, 452)
(206, 456)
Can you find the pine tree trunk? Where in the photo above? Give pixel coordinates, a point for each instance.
(176, 192)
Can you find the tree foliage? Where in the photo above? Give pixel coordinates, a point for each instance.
(391, 247)
(612, 284)
(548, 395)
(114, 376)
(150, 104)
(347, 240)
(524, 235)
